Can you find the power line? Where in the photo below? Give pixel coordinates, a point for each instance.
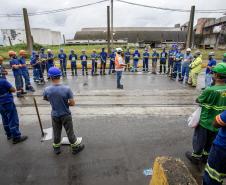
(172, 9)
(54, 11)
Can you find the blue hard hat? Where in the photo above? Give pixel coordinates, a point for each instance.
(54, 72)
(42, 49)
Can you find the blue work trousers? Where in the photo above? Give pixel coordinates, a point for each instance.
(26, 77)
(145, 65)
(63, 68)
(208, 80)
(10, 120)
(19, 82)
(111, 67)
(94, 67)
(185, 70)
(177, 69)
(135, 64)
(84, 67)
(119, 76)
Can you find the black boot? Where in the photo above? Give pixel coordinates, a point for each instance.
(192, 159)
(77, 149)
(19, 140)
(57, 150)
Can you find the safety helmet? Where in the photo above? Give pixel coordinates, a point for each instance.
(94, 50)
(174, 46)
(188, 49)
(197, 52)
(146, 49)
(42, 49)
(211, 54)
(11, 53)
(224, 55)
(22, 52)
(49, 50)
(72, 51)
(220, 68)
(118, 49)
(61, 49)
(83, 50)
(33, 52)
(1, 58)
(54, 72)
(154, 50)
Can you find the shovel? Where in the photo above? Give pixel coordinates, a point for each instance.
(46, 134)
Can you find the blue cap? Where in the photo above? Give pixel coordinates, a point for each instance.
(54, 72)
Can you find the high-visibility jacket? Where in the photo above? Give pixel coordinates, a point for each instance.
(118, 63)
(196, 65)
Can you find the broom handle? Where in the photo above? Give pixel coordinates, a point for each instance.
(39, 119)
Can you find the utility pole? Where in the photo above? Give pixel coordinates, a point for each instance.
(190, 28)
(108, 28)
(64, 39)
(10, 42)
(27, 31)
(112, 30)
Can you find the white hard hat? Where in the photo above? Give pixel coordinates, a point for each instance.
(118, 49)
(188, 49)
(83, 50)
(48, 50)
(211, 54)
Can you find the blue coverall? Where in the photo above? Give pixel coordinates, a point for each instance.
(136, 56)
(43, 59)
(177, 65)
(8, 111)
(73, 58)
(163, 58)
(185, 66)
(127, 60)
(103, 60)
(25, 74)
(37, 71)
(63, 63)
(84, 59)
(112, 63)
(50, 61)
(94, 58)
(145, 61)
(171, 60)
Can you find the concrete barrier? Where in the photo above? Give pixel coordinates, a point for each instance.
(170, 171)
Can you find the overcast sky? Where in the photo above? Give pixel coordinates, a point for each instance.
(124, 15)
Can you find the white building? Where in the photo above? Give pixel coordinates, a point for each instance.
(40, 35)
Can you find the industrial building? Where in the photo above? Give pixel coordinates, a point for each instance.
(40, 35)
(211, 33)
(153, 36)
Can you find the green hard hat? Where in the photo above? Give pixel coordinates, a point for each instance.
(224, 55)
(220, 68)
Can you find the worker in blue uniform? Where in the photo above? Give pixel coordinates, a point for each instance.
(43, 59)
(155, 57)
(145, 60)
(94, 58)
(112, 62)
(73, 58)
(17, 73)
(8, 113)
(63, 62)
(177, 65)
(25, 72)
(136, 57)
(215, 170)
(84, 59)
(171, 59)
(36, 65)
(50, 60)
(103, 60)
(127, 59)
(3, 71)
(163, 58)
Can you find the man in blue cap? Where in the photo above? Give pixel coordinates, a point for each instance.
(94, 58)
(112, 62)
(136, 57)
(50, 60)
(73, 58)
(8, 113)
(84, 59)
(155, 57)
(127, 59)
(177, 64)
(103, 60)
(163, 58)
(63, 62)
(145, 60)
(61, 98)
(171, 59)
(43, 59)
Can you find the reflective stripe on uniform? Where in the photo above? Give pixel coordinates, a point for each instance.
(56, 145)
(196, 155)
(205, 153)
(220, 121)
(214, 174)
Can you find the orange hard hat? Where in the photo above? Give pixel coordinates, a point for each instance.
(12, 53)
(1, 58)
(22, 52)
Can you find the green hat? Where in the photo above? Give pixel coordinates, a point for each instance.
(224, 55)
(220, 68)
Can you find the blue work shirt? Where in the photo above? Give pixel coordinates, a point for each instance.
(163, 56)
(94, 57)
(112, 57)
(84, 58)
(127, 56)
(43, 57)
(5, 95)
(179, 57)
(220, 139)
(211, 63)
(50, 59)
(103, 56)
(34, 63)
(62, 57)
(58, 96)
(23, 61)
(15, 61)
(146, 56)
(73, 58)
(155, 57)
(136, 56)
(172, 54)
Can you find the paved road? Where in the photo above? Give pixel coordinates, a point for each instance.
(123, 130)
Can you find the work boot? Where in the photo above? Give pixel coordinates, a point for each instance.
(192, 159)
(23, 92)
(19, 95)
(57, 150)
(121, 87)
(181, 79)
(77, 146)
(19, 140)
(204, 159)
